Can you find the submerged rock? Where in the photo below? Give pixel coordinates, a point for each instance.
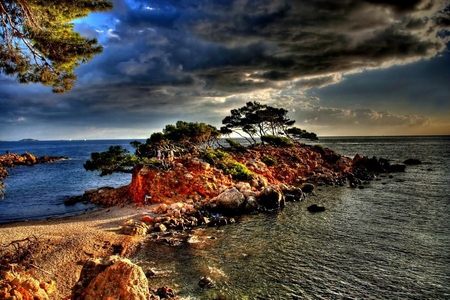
(315, 208)
(206, 282)
(165, 292)
(412, 161)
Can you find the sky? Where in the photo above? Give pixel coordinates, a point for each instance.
(341, 67)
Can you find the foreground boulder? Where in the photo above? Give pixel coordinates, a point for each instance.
(21, 285)
(228, 202)
(272, 198)
(111, 278)
(132, 227)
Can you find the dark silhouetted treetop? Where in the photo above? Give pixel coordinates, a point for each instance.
(256, 120)
(296, 133)
(38, 42)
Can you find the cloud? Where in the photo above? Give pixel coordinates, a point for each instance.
(188, 59)
(364, 118)
(214, 45)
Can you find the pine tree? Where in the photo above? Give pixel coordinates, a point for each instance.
(38, 42)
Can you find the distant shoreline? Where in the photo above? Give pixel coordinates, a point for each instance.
(235, 137)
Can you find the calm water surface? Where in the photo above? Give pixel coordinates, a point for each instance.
(390, 240)
(39, 191)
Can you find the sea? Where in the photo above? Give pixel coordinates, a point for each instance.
(390, 240)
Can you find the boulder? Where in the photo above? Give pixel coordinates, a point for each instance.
(307, 188)
(251, 204)
(165, 292)
(271, 198)
(412, 161)
(112, 278)
(228, 202)
(132, 227)
(293, 194)
(315, 208)
(206, 282)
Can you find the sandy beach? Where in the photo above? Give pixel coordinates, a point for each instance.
(65, 244)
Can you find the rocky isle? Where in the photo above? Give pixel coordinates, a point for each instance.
(190, 191)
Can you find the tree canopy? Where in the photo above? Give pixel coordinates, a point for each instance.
(38, 42)
(271, 125)
(258, 120)
(116, 159)
(183, 135)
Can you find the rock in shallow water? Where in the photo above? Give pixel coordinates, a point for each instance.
(315, 208)
(206, 282)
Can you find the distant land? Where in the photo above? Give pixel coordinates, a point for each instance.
(28, 140)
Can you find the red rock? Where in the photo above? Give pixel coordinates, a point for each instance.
(147, 219)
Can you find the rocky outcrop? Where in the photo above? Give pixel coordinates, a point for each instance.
(378, 165)
(111, 278)
(27, 159)
(22, 285)
(193, 178)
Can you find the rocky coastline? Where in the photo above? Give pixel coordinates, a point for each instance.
(192, 191)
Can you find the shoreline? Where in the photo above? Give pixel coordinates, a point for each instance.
(64, 244)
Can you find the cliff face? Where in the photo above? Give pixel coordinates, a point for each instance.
(190, 177)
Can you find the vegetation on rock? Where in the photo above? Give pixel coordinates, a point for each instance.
(258, 120)
(277, 141)
(262, 123)
(225, 162)
(116, 159)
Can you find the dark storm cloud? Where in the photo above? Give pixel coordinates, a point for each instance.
(181, 58)
(223, 45)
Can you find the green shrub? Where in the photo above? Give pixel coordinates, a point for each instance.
(224, 161)
(319, 148)
(269, 160)
(277, 141)
(215, 156)
(236, 145)
(237, 170)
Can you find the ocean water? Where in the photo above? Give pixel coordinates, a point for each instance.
(38, 191)
(390, 240)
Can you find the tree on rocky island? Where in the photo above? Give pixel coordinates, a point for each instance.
(115, 160)
(258, 120)
(38, 42)
(268, 124)
(183, 136)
